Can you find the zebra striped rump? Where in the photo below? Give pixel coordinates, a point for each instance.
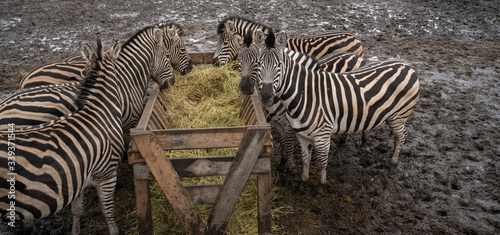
(45, 168)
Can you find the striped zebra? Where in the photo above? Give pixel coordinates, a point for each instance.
(47, 167)
(316, 46)
(143, 56)
(319, 103)
(71, 69)
(337, 62)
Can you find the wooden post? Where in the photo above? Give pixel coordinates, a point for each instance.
(167, 178)
(248, 152)
(141, 181)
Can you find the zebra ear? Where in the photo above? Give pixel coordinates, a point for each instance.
(281, 40)
(114, 51)
(172, 33)
(259, 39)
(230, 28)
(238, 40)
(87, 52)
(158, 35)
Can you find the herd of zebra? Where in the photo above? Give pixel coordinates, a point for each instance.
(68, 125)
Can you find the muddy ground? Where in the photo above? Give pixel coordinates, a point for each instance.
(448, 177)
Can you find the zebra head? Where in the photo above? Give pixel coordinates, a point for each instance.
(227, 47)
(247, 58)
(179, 56)
(269, 62)
(162, 72)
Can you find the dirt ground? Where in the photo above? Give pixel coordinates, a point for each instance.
(448, 177)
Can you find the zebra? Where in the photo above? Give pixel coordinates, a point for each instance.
(334, 62)
(317, 46)
(143, 56)
(319, 103)
(71, 69)
(46, 167)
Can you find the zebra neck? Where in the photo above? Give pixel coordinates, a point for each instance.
(298, 74)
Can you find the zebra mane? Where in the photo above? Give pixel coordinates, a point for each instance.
(270, 39)
(297, 56)
(222, 25)
(248, 38)
(88, 84)
(172, 25)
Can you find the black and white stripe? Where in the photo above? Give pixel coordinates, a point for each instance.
(316, 45)
(54, 162)
(319, 103)
(334, 62)
(71, 69)
(143, 56)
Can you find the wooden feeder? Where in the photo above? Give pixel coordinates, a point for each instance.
(152, 137)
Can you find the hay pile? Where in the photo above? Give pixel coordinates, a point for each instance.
(206, 97)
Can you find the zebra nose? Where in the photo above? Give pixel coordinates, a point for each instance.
(188, 68)
(266, 94)
(246, 87)
(216, 62)
(168, 83)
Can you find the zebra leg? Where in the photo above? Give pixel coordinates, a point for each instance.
(106, 191)
(322, 146)
(398, 128)
(306, 151)
(77, 211)
(289, 139)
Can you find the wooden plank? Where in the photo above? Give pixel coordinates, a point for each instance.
(198, 138)
(148, 108)
(202, 58)
(264, 215)
(141, 171)
(215, 165)
(204, 194)
(145, 220)
(258, 109)
(168, 180)
(247, 155)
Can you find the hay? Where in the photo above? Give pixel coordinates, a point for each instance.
(206, 97)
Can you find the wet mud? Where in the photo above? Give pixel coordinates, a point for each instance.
(448, 178)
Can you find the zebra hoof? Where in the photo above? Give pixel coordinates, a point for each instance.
(320, 191)
(300, 189)
(392, 168)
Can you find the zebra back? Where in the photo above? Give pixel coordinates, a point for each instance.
(315, 45)
(356, 101)
(72, 68)
(56, 73)
(323, 44)
(51, 164)
(37, 105)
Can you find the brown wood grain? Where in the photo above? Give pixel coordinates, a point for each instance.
(169, 182)
(247, 155)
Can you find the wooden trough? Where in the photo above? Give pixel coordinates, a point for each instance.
(152, 137)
